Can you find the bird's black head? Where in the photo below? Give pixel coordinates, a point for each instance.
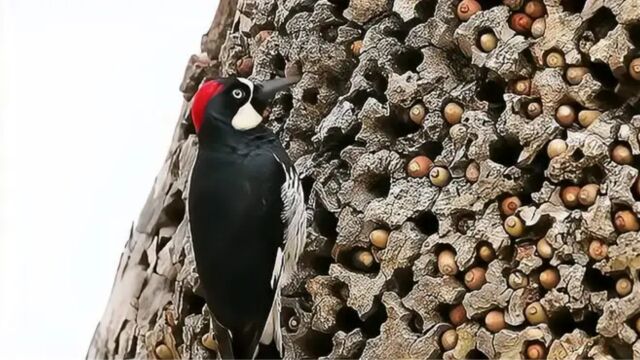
(234, 101)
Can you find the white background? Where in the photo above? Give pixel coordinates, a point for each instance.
(88, 102)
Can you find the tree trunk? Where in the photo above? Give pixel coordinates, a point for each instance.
(472, 183)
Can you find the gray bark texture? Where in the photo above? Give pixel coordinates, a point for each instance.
(445, 222)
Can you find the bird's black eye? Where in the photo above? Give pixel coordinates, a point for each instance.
(237, 93)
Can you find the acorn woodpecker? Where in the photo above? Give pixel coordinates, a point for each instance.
(247, 213)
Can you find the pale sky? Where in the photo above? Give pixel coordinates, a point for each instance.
(88, 102)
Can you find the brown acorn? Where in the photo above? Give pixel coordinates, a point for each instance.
(488, 41)
(293, 323)
(244, 66)
(447, 262)
(588, 194)
(637, 325)
(521, 23)
(379, 238)
(449, 339)
(439, 176)
(209, 342)
(587, 117)
(549, 278)
(621, 154)
(598, 250)
(544, 249)
(634, 69)
(625, 221)
(535, 351)
(569, 196)
(517, 280)
(554, 59)
(467, 8)
(556, 147)
(509, 205)
(522, 87)
(575, 74)
(452, 113)
(624, 286)
(514, 226)
(486, 253)
(534, 109)
(513, 4)
(565, 115)
(475, 278)
(535, 314)
(363, 260)
(494, 321)
(472, 172)
(417, 113)
(419, 166)
(263, 35)
(163, 352)
(458, 315)
(538, 27)
(356, 47)
(535, 9)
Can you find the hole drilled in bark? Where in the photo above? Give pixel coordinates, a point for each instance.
(409, 60)
(475, 354)
(174, 211)
(634, 34)
(505, 151)
(325, 222)
(426, 222)
(573, 6)
(603, 74)
(317, 344)
(379, 185)
(561, 322)
(492, 92)
(358, 98)
(310, 96)
(278, 63)
(347, 319)
(307, 185)
(464, 221)
(401, 281)
(329, 33)
(396, 127)
(593, 175)
(602, 22)
(425, 9)
(377, 80)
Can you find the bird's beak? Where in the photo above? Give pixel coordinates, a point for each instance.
(264, 92)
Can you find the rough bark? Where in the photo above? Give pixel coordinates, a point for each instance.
(350, 124)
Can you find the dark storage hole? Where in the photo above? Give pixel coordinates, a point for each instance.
(329, 33)
(425, 9)
(174, 211)
(310, 96)
(193, 303)
(619, 349)
(347, 319)
(431, 149)
(634, 34)
(371, 326)
(396, 126)
(335, 140)
(534, 174)
(588, 323)
(593, 175)
(144, 260)
(336, 83)
(379, 185)
(317, 344)
(603, 74)
(409, 60)
(378, 81)
(320, 264)
(278, 63)
(401, 281)
(325, 222)
(602, 22)
(561, 322)
(341, 5)
(285, 101)
(492, 92)
(426, 222)
(577, 155)
(540, 229)
(505, 151)
(416, 324)
(475, 354)
(464, 221)
(358, 98)
(307, 185)
(609, 99)
(574, 6)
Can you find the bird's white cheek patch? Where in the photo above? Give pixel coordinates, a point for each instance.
(246, 118)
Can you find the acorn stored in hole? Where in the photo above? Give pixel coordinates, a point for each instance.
(467, 8)
(535, 9)
(588, 194)
(565, 115)
(449, 339)
(486, 253)
(535, 314)
(509, 205)
(363, 260)
(624, 286)
(447, 262)
(452, 113)
(549, 278)
(163, 352)
(538, 27)
(517, 280)
(209, 342)
(535, 351)
(598, 250)
(556, 147)
(419, 166)
(544, 249)
(625, 221)
(263, 35)
(621, 154)
(569, 196)
(514, 226)
(494, 320)
(534, 109)
(458, 315)
(379, 238)
(637, 325)
(488, 41)
(634, 69)
(522, 87)
(475, 278)
(587, 117)
(521, 23)
(293, 323)
(356, 47)
(417, 113)
(575, 74)
(554, 59)
(439, 176)
(244, 66)
(472, 172)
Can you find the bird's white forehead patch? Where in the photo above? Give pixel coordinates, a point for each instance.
(247, 117)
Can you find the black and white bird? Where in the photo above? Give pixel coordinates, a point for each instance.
(247, 213)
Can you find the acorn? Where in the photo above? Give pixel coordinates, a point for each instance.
(637, 325)
(458, 315)
(419, 166)
(263, 35)
(363, 260)
(209, 342)
(447, 262)
(554, 59)
(634, 69)
(494, 320)
(569, 196)
(514, 226)
(556, 147)
(549, 278)
(538, 27)
(535, 351)
(598, 250)
(452, 113)
(522, 87)
(517, 280)
(575, 74)
(486, 253)
(624, 286)
(521, 23)
(625, 221)
(472, 172)
(534, 109)
(535, 314)
(509, 205)
(449, 339)
(292, 69)
(417, 113)
(356, 47)
(588, 194)
(513, 4)
(467, 8)
(439, 176)
(535, 9)
(244, 66)
(544, 249)
(293, 323)
(565, 115)
(475, 278)
(488, 41)
(587, 117)
(621, 154)
(379, 238)
(163, 352)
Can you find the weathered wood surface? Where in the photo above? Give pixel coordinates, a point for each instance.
(353, 127)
